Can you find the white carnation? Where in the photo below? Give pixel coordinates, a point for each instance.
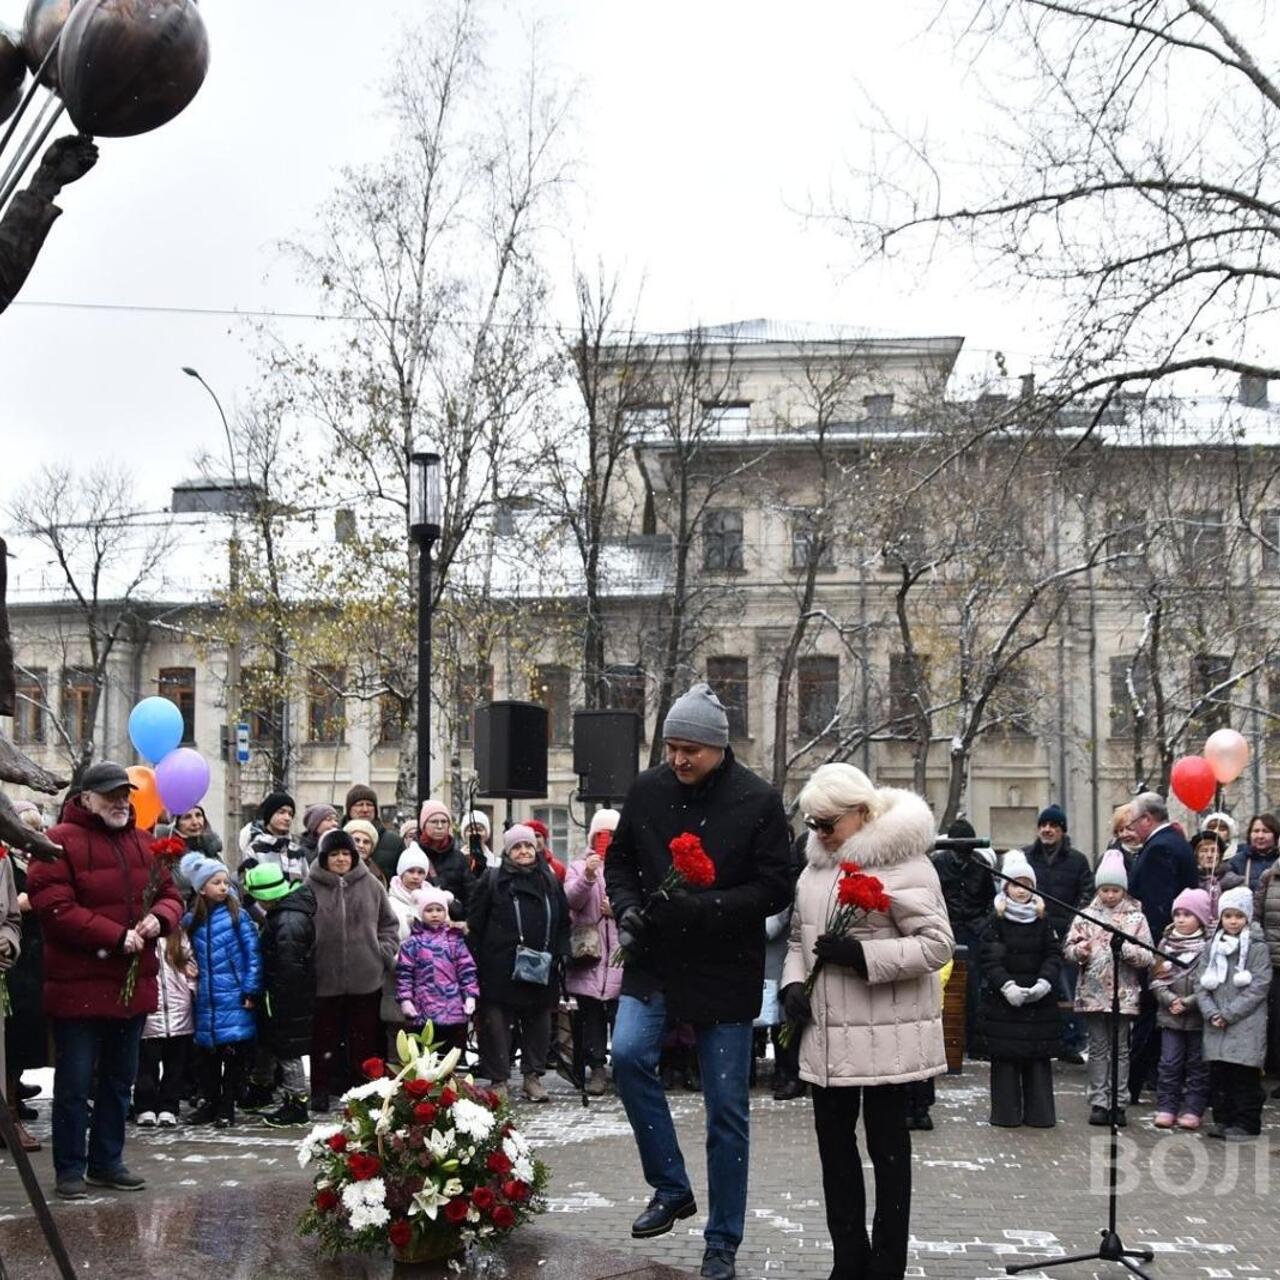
(369, 1215)
(382, 1088)
(369, 1193)
(472, 1119)
(522, 1169)
(312, 1144)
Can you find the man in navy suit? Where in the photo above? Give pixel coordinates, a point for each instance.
(1165, 865)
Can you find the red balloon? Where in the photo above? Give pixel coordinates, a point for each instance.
(1193, 782)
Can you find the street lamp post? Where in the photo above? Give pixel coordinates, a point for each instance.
(426, 505)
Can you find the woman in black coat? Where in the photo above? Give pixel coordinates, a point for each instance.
(517, 905)
(1020, 956)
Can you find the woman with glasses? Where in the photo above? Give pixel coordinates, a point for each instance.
(873, 1023)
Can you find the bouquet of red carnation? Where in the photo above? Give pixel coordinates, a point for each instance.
(691, 868)
(856, 893)
(164, 853)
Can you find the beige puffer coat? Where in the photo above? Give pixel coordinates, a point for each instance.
(885, 1029)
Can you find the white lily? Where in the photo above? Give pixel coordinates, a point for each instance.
(430, 1067)
(453, 1187)
(428, 1200)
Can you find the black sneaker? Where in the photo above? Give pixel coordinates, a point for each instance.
(1122, 1120)
(26, 1091)
(293, 1111)
(1099, 1116)
(117, 1180)
(785, 1090)
(257, 1097)
(661, 1215)
(717, 1264)
(1073, 1056)
(71, 1189)
(203, 1114)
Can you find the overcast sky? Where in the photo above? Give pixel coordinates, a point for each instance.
(703, 131)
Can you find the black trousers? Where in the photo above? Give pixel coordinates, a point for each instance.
(1144, 1043)
(786, 1058)
(1273, 1025)
(1236, 1096)
(497, 1027)
(595, 1020)
(161, 1083)
(222, 1073)
(883, 1255)
(1022, 1092)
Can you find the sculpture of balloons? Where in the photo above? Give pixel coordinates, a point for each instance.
(13, 71)
(44, 19)
(129, 66)
(155, 728)
(147, 805)
(1193, 782)
(182, 778)
(1227, 753)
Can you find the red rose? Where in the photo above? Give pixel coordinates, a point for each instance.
(363, 1167)
(425, 1112)
(456, 1210)
(483, 1198)
(338, 1142)
(417, 1088)
(399, 1233)
(447, 1097)
(515, 1190)
(374, 1068)
(326, 1199)
(498, 1162)
(504, 1217)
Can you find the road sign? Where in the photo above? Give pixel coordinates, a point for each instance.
(242, 743)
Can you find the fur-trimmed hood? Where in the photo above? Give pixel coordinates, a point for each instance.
(904, 829)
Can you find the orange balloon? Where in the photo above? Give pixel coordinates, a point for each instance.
(147, 805)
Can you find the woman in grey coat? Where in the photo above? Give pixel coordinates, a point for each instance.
(1233, 980)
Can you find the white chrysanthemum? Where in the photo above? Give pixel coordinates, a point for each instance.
(382, 1088)
(369, 1215)
(312, 1144)
(472, 1119)
(372, 1191)
(515, 1146)
(522, 1169)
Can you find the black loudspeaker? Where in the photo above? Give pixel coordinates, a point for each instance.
(511, 750)
(606, 750)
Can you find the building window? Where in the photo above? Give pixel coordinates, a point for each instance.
(878, 408)
(817, 693)
(30, 714)
(326, 707)
(551, 689)
(1204, 537)
(1208, 671)
(1273, 700)
(178, 684)
(260, 710)
(809, 538)
(1271, 547)
(624, 688)
(392, 720)
(903, 690)
(1128, 538)
(77, 704)
(722, 540)
(1122, 712)
(555, 818)
(475, 689)
(730, 678)
(727, 417)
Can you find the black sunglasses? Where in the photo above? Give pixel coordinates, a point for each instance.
(823, 826)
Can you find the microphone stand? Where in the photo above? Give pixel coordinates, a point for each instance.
(1111, 1247)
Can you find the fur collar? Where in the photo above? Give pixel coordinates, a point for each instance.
(904, 830)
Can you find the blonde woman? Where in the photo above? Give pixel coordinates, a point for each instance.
(874, 1021)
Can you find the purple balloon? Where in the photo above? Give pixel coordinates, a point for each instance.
(182, 778)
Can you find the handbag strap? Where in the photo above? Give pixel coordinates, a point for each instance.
(546, 902)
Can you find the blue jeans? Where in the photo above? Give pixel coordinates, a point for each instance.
(78, 1045)
(724, 1057)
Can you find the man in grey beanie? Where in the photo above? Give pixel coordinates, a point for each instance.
(696, 956)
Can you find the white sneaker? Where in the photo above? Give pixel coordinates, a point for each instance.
(147, 1120)
(167, 1120)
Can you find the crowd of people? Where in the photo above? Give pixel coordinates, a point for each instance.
(261, 975)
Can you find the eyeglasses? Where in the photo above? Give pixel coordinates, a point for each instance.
(823, 826)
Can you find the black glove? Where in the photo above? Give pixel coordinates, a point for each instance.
(634, 929)
(680, 915)
(844, 951)
(795, 1004)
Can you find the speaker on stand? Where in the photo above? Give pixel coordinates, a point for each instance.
(511, 750)
(606, 753)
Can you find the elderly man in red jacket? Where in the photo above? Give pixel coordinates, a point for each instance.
(90, 907)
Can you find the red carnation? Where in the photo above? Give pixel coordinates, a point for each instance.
(850, 869)
(447, 1097)
(690, 862)
(417, 1088)
(862, 892)
(483, 1198)
(425, 1112)
(456, 1210)
(338, 1142)
(326, 1199)
(504, 1217)
(169, 847)
(515, 1190)
(363, 1167)
(399, 1233)
(498, 1162)
(374, 1068)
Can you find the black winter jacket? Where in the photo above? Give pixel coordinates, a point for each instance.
(493, 935)
(1021, 953)
(451, 870)
(706, 956)
(968, 888)
(288, 940)
(1063, 873)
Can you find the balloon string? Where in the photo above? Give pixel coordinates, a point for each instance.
(12, 183)
(23, 146)
(30, 93)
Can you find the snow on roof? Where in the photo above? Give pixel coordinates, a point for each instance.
(763, 331)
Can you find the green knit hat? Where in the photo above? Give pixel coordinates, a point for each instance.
(267, 883)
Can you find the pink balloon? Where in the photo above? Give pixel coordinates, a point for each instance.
(1227, 753)
(182, 778)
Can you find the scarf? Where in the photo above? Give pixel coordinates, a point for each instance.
(1019, 912)
(1223, 946)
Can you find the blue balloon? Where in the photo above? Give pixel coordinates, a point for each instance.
(155, 728)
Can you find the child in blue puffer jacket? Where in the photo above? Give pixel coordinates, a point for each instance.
(229, 981)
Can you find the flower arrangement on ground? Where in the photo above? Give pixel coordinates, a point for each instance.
(856, 893)
(691, 868)
(423, 1161)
